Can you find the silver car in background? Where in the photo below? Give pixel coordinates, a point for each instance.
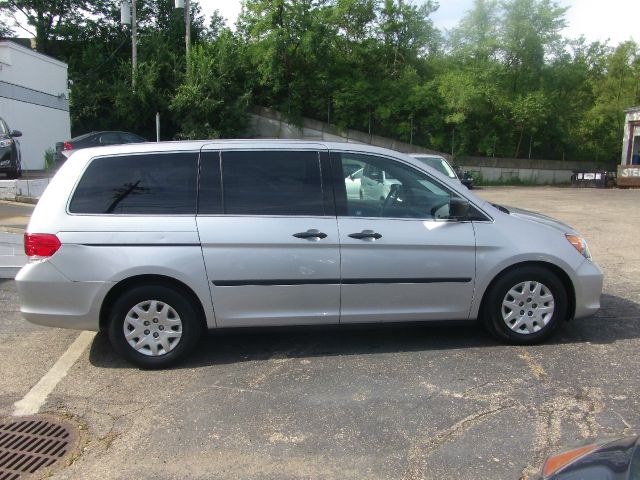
(157, 243)
(438, 163)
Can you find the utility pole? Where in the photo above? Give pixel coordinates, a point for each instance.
(411, 131)
(187, 34)
(187, 20)
(134, 43)
(128, 17)
(453, 142)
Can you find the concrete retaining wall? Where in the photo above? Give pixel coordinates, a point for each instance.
(12, 189)
(497, 170)
(267, 123)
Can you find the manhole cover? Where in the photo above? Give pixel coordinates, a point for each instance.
(30, 444)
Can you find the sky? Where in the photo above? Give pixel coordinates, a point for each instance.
(618, 21)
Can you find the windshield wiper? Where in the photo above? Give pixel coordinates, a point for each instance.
(501, 208)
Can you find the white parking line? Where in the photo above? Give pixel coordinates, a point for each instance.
(36, 397)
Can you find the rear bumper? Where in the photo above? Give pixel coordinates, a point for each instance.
(588, 286)
(61, 156)
(49, 298)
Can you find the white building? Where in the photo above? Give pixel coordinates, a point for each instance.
(34, 98)
(631, 138)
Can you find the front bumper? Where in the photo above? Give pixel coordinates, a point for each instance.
(6, 160)
(588, 287)
(49, 298)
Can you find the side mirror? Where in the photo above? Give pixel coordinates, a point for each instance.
(458, 208)
(16, 133)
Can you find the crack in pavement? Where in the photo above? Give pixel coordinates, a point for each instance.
(581, 407)
(536, 368)
(425, 447)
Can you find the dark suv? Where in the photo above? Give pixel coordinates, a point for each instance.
(9, 151)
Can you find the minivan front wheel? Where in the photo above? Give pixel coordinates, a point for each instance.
(525, 305)
(154, 326)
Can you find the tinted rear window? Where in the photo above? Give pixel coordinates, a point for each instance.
(131, 138)
(159, 184)
(82, 137)
(272, 183)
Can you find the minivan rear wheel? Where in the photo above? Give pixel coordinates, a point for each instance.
(154, 326)
(524, 306)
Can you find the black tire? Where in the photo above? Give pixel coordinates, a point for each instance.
(12, 174)
(491, 314)
(190, 317)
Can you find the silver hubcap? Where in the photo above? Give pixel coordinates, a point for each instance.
(527, 307)
(153, 328)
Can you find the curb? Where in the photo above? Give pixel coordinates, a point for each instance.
(26, 200)
(9, 272)
(12, 257)
(19, 231)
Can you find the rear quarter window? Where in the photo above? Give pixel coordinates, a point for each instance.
(150, 184)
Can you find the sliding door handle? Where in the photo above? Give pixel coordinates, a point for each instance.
(313, 233)
(363, 235)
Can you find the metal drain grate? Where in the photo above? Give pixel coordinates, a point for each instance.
(30, 444)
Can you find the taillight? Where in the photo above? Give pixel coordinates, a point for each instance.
(557, 462)
(67, 146)
(40, 244)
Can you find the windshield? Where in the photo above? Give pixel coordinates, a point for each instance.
(440, 164)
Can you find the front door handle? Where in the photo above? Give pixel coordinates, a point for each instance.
(366, 234)
(313, 233)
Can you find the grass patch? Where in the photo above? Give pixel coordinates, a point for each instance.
(49, 163)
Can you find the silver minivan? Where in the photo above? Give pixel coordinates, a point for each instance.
(157, 243)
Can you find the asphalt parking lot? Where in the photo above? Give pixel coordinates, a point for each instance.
(422, 402)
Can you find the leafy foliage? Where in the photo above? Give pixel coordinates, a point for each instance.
(214, 83)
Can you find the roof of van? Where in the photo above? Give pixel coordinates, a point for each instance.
(191, 145)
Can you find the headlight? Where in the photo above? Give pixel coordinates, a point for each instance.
(6, 143)
(580, 244)
(5, 163)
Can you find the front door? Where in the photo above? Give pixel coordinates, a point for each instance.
(402, 258)
(269, 237)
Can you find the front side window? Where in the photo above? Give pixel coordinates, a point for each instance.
(272, 183)
(156, 184)
(390, 189)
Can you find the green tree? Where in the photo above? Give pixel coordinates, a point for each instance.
(217, 24)
(5, 29)
(477, 36)
(213, 100)
(405, 31)
(47, 17)
(617, 89)
(530, 29)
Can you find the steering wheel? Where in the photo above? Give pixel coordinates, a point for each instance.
(392, 196)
